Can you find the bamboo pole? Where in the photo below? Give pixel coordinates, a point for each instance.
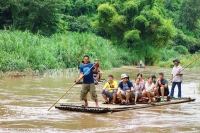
(185, 67)
(69, 89)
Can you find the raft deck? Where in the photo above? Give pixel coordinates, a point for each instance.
(105, 108)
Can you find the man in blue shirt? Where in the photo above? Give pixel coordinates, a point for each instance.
(86, 72)
(124, 89)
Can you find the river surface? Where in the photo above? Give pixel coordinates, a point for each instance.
(24, 103)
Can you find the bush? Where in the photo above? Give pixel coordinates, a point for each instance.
(20, 50)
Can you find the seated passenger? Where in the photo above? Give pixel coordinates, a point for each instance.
(124, 89)
(110, 90)
(142, 82)
(149, 90)
(161, 88)
(97, 74)
(137, 90)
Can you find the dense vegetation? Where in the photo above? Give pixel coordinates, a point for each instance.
(52, 34)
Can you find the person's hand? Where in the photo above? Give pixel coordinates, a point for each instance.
(96, 64)
(128, 91)
(177, 74)
(78, 80)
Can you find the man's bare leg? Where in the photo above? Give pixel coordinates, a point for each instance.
(105, 98)
(127, 97)
(114, 98)
(136, 96)
(162, 91)
(156, 92)
(120, 96)
(96, 102)
(86, 102)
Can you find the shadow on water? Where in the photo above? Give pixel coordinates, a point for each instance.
(24, 103)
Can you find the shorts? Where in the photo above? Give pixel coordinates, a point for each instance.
(88, 88)
(166, 92)
(151, 93)
(134, 93)
(109, 94)
(124, 95)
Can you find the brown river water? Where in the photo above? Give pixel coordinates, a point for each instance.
(24, 103)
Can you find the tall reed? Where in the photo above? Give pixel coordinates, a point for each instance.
(20, 50)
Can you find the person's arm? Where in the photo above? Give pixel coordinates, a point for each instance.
(80, 77)
(96, 67)
(180, 73)
(119, 89)
(132, 89)
(165, 84)
(152, 86)
(115, 86)
(81, 74)
(156, 86)
(105, 86)
(140, 90)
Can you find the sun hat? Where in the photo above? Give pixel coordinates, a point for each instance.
(96, 59)
(124, 76)
(177, 60)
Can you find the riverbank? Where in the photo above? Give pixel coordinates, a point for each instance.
(22, 50)
(46, 73)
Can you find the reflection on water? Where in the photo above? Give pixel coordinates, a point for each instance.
(24, 103)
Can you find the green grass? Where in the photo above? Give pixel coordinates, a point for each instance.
(20, 50)
(170, 53)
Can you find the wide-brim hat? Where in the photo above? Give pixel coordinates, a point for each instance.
(124, 76)
(177, 60)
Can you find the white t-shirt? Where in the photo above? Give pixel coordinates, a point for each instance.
(149, 87)
(177, 70)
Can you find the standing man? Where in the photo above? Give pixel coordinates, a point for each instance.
(86, 72)
(177, 75)
(161, 88)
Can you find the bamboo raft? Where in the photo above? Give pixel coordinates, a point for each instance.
(141, 67)
(105, 108)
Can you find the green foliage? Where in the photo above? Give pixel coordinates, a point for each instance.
(109, 22)
(151, 30)
(169, 53)
(132, 36)
(79, 24)
(33, 15)
(190, 13)
(139, 22)
(20, 50)
(191, 43)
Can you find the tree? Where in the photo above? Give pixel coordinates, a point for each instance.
(136, 24)
(190, 14)
(34, 15)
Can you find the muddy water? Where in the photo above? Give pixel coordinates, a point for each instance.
(24, 103)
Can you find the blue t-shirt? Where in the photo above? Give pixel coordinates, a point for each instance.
(88, 75)
(126, 86)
